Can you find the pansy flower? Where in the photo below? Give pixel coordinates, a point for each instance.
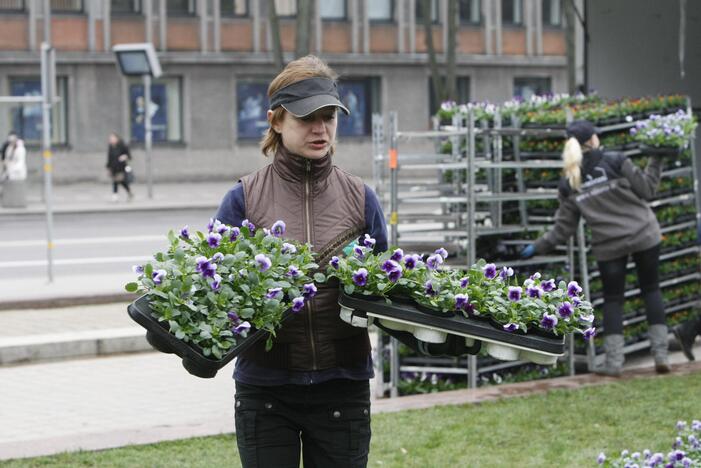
(205, 267)
(510, 327)
(410, 261)
(158, 276)
(515, 293)
(213, 239)
(309, 290)
(428, 288)
(565, 310)
(460, 301)
(278, 228)
(573, 289)
(589, 333)
(274, 293)
(247, 224)
(185, 233)
(442, 252)
(234, 234)
(368, 241)
(288, 248)
(464, 281)
(297, 304)
(548, 285)
(506, 273)
(360, 277)
(490, 271)
(216, 284)
(397, 255)
(334, 262)
(263, 262)
(242, 328)
(434, 261)
(535, 292)
(549, 321)
(293, 271)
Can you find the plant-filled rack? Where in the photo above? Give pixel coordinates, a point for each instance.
(493, 176)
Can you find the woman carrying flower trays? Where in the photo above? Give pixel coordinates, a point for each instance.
(313, 385)
(610, 192)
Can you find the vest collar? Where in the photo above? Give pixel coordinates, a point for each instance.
(295, 168)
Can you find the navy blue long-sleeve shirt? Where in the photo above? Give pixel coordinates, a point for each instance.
(232, 211)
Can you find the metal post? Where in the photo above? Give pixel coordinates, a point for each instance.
(520, 183)
(47, 22)
(584, 277)
(46, 90)
(471, 230)
(393, 219)
(570, 337)
(147, 134)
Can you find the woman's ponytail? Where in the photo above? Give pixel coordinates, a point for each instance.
(572, 157)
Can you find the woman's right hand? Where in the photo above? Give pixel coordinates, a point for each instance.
(528, 251)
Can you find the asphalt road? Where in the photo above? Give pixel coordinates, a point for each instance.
(92, 243)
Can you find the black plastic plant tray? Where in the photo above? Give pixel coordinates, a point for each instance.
(194, 361)
(478, 329)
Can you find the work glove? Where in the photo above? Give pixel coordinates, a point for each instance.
(528, 251)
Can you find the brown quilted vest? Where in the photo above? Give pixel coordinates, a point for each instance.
(325, 206)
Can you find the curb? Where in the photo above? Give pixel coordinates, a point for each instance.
(67, 301)
(91, 343)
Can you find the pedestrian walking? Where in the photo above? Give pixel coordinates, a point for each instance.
(611, 194)
(118, 158)
(310, 394)
(14, 158)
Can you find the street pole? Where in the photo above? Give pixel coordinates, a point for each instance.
(47, 97)
(147, 136)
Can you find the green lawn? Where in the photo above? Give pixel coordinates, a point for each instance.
(560, 429)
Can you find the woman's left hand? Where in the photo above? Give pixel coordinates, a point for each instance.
(123, 157)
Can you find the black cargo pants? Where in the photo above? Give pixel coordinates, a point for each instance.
(329, 422)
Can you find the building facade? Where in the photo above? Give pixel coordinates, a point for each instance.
(209, 107)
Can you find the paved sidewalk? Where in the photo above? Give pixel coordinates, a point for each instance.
(96, 197)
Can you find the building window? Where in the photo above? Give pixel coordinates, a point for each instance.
(420, 11)
(166, 110)
(26, 118)
(552, 13)
(286, 8)
(381, 10)
(12, 5)
(362, 98)
(470, 11)
(235, 8)
(526, 87)
(512, 12)
(67, 6)
(332, 9)
(125, 6)
(181, 8)
(251, 108)
(462, 91)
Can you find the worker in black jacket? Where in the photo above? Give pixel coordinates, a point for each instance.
(611, 193)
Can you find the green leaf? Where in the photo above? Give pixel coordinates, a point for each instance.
(148, 270)
(246, 313)
(349, 288)
(319, 277)
(131, 287)
(160, 257)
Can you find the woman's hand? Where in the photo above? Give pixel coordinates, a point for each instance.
(528, 251)
(123, 157)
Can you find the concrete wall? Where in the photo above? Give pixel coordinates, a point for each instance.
(634, 48)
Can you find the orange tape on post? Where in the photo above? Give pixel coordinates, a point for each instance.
(393, 158)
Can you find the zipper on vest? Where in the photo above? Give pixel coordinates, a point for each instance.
(308, 228)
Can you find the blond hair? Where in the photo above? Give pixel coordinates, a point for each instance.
(303, 68)
(572, 159)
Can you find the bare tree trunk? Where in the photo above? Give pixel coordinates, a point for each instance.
(304, 24)
(436, 78)
(450, 80)
(274, 25)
